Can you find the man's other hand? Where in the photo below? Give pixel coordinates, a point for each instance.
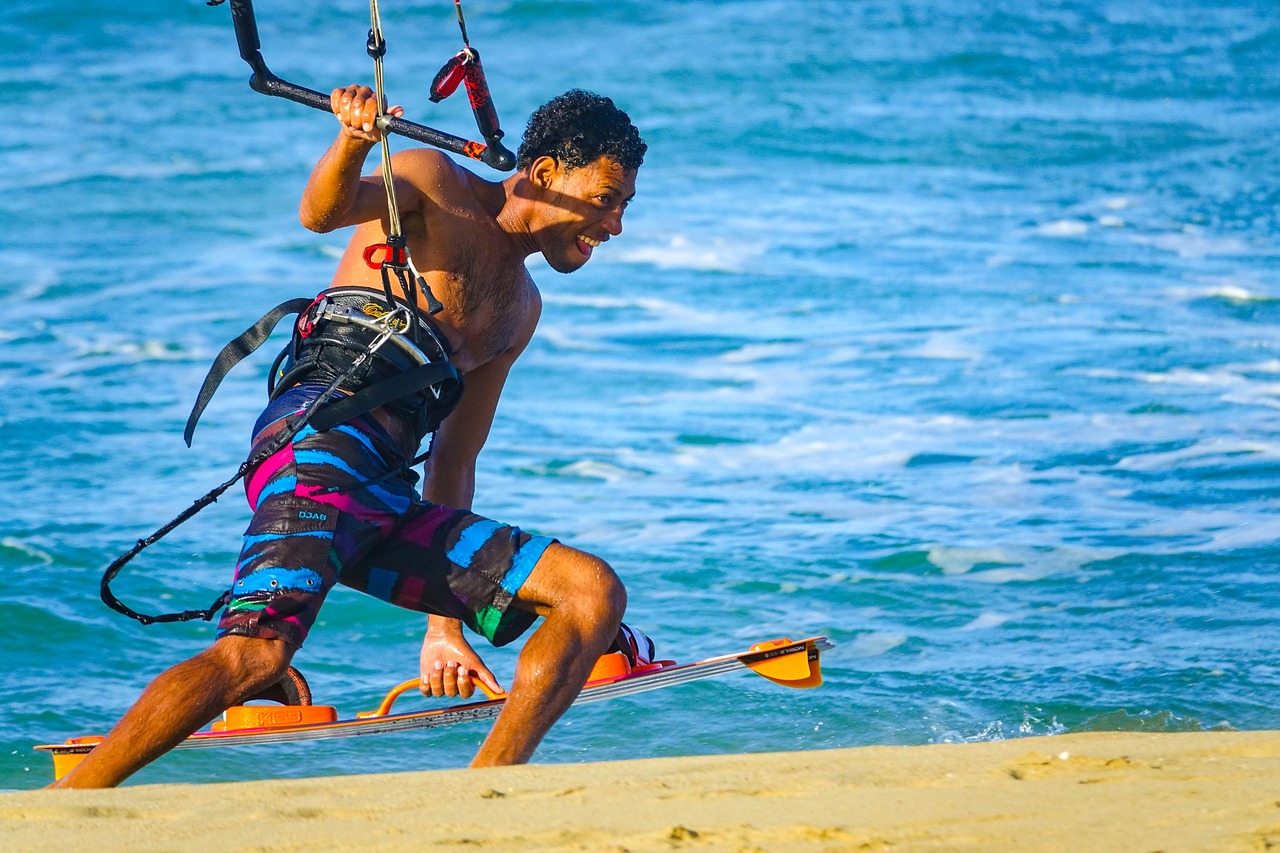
(450, 667)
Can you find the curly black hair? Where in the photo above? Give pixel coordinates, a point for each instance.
(578, 128)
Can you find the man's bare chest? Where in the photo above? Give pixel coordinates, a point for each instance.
(484, 306)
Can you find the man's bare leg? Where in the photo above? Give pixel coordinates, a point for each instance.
(177, 703)
(582, 601)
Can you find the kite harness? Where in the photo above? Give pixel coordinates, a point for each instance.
(368, 350)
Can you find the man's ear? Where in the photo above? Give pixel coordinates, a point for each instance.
(544, 171)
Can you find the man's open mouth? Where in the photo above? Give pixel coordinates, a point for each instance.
(586, 244)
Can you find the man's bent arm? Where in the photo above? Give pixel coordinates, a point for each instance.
(334, 185)
(451, 480)
(336, 195)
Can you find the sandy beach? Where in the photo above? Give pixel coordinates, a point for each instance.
(1083, 792)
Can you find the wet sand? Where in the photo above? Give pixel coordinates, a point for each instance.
(1084, 792)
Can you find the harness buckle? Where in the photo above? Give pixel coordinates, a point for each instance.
(389, 329)
(307, 319)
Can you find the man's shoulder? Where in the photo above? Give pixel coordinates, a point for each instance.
(427, 166)
(438, 175)
(425, 158)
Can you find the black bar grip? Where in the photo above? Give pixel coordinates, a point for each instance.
(437, 138)
(246, 29)
(270, 84)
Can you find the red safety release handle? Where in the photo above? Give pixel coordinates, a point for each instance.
(447, 79)
(380, 255)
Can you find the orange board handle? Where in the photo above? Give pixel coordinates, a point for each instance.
(385, 708)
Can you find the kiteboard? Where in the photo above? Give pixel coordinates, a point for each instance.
(791, 663)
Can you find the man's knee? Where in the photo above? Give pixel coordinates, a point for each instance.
(609, 595)
(602, 596)
(252, 662)
(583, 585)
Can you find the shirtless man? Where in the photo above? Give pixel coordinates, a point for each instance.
(341, 500)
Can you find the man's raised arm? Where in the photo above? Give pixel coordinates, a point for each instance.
(336, 196)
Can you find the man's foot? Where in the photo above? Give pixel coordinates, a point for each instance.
(633, 643)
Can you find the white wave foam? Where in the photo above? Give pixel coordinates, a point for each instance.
(1021, 563)
(671, 316)
(589, 469)
(1213, 453)
(28, 549)
(670, 532)
(985, 621)
(1064, 228)
(1216, 530)
(1236, 293)
(753, 353)
(1229, 288)
(1191, 243)
(593, 300)
(958, 561)
(946, 347)
(1241, 532)
(146, 350)
(876, 643)
(31, 275)
(1013, 575)
(811, 449)
(1236, 387)
(569, 339)
(679, 252)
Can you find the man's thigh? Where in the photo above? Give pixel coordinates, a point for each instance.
(457, 564)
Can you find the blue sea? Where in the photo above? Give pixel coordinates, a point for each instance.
(946, 329)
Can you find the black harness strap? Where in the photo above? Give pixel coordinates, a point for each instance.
(293, 426)
(381, 393)
(238, 350)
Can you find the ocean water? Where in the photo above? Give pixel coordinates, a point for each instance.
(945, 329)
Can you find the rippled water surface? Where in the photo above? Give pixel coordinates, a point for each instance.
(948, 330)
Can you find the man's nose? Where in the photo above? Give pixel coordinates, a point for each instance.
(613, 221)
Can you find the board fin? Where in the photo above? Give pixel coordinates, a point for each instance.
(786, 663)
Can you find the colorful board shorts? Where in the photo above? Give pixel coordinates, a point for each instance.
(328, 509)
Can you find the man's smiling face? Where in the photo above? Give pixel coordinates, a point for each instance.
(580, 208)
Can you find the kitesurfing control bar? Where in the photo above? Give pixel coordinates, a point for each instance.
(494, 155)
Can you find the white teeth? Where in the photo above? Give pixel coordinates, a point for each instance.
(592, 243)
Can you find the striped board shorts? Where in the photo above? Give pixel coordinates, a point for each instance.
(328, 509)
